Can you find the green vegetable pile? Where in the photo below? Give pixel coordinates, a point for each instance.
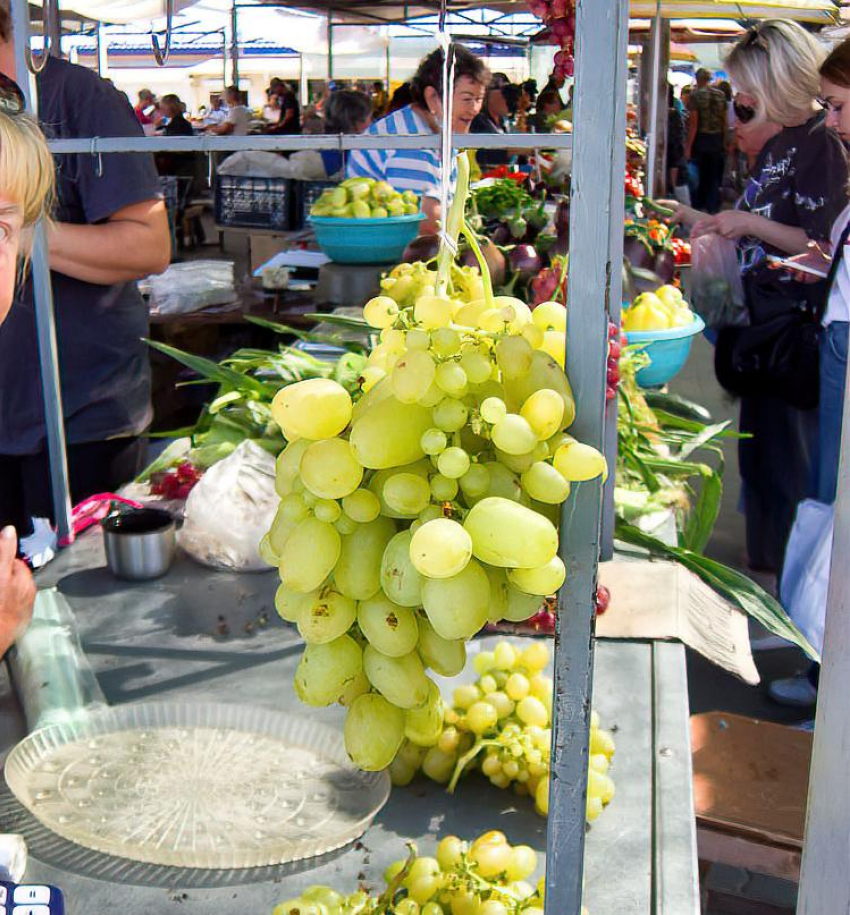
(365, 198)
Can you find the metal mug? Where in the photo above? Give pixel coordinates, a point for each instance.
(140, 543)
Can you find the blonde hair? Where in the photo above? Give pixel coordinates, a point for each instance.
(777, 62)
(26, 166)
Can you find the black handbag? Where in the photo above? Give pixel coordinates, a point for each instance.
(777, 354)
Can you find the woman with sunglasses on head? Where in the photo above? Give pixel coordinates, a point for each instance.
(795, 191)
(26, 192)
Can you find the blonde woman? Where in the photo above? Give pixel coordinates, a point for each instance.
(26, 190)
(795, 192)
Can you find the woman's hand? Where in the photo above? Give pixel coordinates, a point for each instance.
(682, 214)
(734, 224)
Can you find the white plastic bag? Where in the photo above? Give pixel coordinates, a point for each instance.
(717, 293)
(256, 164)
(230, 510)
(191, 286)
(805, 573)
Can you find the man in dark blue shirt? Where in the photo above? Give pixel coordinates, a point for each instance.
(110, 229)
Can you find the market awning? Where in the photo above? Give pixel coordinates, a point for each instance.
(135, 51)
(823, 11)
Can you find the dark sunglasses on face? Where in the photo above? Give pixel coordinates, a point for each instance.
(743, 113)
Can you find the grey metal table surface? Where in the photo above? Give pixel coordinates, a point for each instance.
(210, 636)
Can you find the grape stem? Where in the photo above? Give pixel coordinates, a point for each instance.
(453, 223)
(387, 898)
(469, 234)
(466, 759)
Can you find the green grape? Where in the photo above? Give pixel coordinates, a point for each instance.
(400, 580)
(290, 604)
(493, 410)
(288, 464)
(577, 462)
(450, 415)
(550, 316)
(544, 412)
(280, 531)
(401, 681)
(310, 554)
(544, 373)
(412, 376)
(481, 717)
(457, 606)
(431, 397)
(330, 470)
(476, 366)
(406, 493)
(531, 711)
(433, 441)
(451, 379)
(388, 434)
(374, 731)
(327, 670)
(420, 468)
(450, 852)
(267, 554)
(443, 488)
(543, 483)
(327, 510)
(390, 628)
(324, 895)
(432, 311)
(329, 615)
(504, 656)
(476, 481)
(356, 687)
(513, 355)
(361, 506)
(440, 549)
(417, 339)
(401, 773)
(380, 311)
(381, 391)
(503, 483)
(344, 525)
(316, 408)
(453, 463)
(293, 507)
(542, 581)
(429, 513)
(446, 657)
(358, 570)
(518, 463)
(423, 726)
(520, 605)
(517, 686)
(513, 435)
(502, 703)
(509, 535)
(445, 342)
(393, 338)
(370, 376)
(439, 766)
(534, 335)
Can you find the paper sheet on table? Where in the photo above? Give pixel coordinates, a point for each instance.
(663, 600)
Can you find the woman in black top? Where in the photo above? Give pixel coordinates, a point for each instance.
(796, 190)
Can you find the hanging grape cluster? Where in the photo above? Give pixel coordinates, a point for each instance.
(414, 516)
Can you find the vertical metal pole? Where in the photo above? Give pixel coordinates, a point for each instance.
(102, 51)
(302, 81)
(824, 886)
(234, 44)
(652, 146)
(615, 254)
(600, 28)
(44, 316)
(330, 45)
(388, 67)
(53, 27)
(223, 60)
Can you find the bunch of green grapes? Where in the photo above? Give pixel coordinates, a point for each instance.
(487, 877)
(501, 724)
(406, 283)
(410, 518)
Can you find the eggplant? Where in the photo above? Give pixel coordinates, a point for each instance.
(562, 217)
(638, 254)
(422, 248)
(492, 255)
(524, 260)
(500, 234)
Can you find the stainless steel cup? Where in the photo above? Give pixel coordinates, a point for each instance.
(140, 543)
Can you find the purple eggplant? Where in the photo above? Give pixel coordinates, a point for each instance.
(638, 253)
(665, 265)
(422, 248)
(524, 260)
(494, 258)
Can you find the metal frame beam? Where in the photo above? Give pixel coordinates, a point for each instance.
(595, 268)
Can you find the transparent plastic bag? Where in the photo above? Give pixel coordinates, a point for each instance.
(192, 286)
(717, 293)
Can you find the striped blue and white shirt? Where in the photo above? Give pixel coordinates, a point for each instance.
(405, 169)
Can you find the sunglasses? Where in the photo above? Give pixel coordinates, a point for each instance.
(12, 99)
(743, 113)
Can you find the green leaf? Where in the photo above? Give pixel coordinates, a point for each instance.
(708, 434)
(703, 516)
(729, 583)
(343, 321)
(212, 370)
(673, 403)
(277, 327)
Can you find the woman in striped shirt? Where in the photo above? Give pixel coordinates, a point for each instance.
(418, 170)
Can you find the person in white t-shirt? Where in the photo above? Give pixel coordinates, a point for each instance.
(238, 118)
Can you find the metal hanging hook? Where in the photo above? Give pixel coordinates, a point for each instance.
(34, 65)
(98, 169)
(161, 55)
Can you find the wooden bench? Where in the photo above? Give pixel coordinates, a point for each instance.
(750, 788)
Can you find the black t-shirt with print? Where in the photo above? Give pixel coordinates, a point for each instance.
(800, 180)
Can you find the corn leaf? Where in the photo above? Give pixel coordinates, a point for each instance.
(729, 583)
(213, 371)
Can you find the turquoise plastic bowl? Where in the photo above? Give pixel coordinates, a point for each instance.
(365, 241)
(667, 349)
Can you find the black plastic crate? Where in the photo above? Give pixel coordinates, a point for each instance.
(253, 203)
(306, 194)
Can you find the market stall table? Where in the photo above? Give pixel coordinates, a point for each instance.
(200, 635)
